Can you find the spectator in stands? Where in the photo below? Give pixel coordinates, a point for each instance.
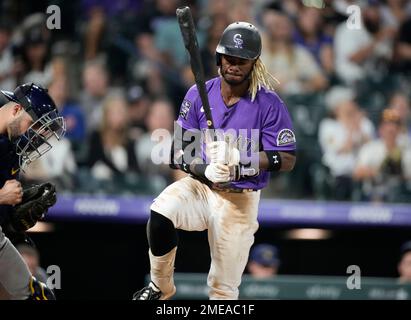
(309, 33)
(401, 104)
(36, 58)
(395, 12)
(404, 266)
(364, 52)
(31, 255)
(214, 8)
(264, 261)
(290, 8)
(8, 67)
(216, 26)
(175, 69)
(71, 111)
(241, 10)
(96, 87)
(107, 27)
(383, 164)
(333, 13)
(402, 58)
(293, 65)
(340, 6)
(148, 67)
(160, 117)
(138, 105)
(111, 152)
(96, 24)
(341, 137)
(166, 31)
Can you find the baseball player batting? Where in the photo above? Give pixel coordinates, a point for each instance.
(222, 191)
(27, 122)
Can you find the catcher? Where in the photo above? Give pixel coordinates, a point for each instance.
(27, 123)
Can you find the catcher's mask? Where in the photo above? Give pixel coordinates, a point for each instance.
(47, 123)
(239, 39)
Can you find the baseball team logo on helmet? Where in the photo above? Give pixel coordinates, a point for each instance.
(47, 123)
(239, 39)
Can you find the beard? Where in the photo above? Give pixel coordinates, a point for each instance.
(13, 130)
(232, 82)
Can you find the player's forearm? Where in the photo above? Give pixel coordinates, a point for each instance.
(287, 161)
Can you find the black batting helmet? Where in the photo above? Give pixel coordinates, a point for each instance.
(239, 39)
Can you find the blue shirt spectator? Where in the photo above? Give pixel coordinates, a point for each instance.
(315, 46)
(76, 127)
(72, 112)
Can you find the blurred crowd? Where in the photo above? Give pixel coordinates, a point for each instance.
(265, 263)
(118, 71)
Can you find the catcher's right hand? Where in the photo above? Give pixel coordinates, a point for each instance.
(11, 193)
(36, 201)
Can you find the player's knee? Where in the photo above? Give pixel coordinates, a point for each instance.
(165, 208)
(159, 222)
(161, 234)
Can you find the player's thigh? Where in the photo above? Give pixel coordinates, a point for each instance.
(235, 208)
(233, 221)
(230, 234)
(185, 203)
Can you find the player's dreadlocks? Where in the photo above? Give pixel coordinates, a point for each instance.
(260, 77)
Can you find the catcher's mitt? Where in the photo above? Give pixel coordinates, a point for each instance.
(36, 201)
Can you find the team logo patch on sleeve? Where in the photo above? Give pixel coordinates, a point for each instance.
(185, 108)
(285, 136)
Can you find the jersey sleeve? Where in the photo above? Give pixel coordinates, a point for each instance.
(277, 130)
(188, 115)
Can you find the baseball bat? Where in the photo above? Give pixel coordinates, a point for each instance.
(185, 21)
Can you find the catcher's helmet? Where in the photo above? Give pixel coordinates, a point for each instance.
(46, 121)
(239, 39)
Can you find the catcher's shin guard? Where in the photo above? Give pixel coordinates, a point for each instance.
(39, 291)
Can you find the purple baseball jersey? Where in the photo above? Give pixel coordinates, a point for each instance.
(267, 113)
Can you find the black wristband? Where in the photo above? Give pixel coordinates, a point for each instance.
(197, 169)
(274, 160)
